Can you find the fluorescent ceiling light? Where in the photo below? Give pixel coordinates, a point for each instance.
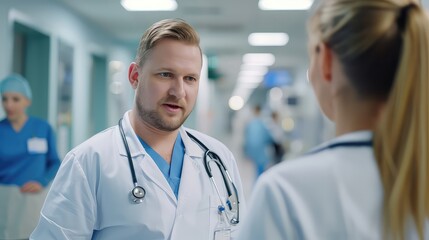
(245, 67)
(276, 94)
(250, 79)
(268, 39)
(244, 93)
(116, 66)
(249, 85)
(266, 59)
(253, 72)
(285, 4)
(149, 5)
(236, 103)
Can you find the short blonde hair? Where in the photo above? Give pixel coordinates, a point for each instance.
(176, 29)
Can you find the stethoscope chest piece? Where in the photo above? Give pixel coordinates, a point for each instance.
(137, 194)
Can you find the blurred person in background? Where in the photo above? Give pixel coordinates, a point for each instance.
(369, 70)
(28, 159)
(278, 137)
(257, 141)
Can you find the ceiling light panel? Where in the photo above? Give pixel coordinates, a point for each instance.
(268, 39)
(266, 59)
(149, 5)
(285, 4)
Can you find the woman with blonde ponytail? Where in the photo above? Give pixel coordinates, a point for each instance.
(370, 71)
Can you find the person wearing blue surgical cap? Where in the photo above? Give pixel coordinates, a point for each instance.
(28, 154)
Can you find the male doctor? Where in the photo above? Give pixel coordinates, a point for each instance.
(94, 195)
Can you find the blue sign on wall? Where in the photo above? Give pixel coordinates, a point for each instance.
(277, 78)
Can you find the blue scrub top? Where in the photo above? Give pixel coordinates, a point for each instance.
(257, 139)
(172, 172)
(18, 165)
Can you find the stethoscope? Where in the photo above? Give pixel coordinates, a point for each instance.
(232, 203)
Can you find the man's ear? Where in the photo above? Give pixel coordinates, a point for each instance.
(326, 56)
(133, 74)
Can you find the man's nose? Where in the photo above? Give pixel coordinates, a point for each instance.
(177, 88)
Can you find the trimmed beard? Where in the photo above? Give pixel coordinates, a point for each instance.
(153, 118)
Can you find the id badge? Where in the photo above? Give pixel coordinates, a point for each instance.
(222, 234)
(37, 145)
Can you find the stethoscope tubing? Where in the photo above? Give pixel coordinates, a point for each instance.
(127, 149)
(208, 157)
(225, 175)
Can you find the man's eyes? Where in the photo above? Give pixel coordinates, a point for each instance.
(189, 78)
(166, 75)
(171, 75)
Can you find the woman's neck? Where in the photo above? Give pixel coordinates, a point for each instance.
(18, 122)
(351, 116)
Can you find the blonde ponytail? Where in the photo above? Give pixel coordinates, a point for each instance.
(401, 140)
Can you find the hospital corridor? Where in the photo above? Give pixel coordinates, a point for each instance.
(201, 119)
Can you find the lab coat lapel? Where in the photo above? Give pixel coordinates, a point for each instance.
(192, 213)
(191, 183)
(149, 169)
(143, 163)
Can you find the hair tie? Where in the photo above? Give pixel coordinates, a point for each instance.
(403, 16)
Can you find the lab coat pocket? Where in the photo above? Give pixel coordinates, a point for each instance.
(193, 222)
(220, 229)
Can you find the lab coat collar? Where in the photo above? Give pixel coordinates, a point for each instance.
(191, 169)
(136, 150)
(191, 148)
(357, 136)
(134, 144)
(364, 135)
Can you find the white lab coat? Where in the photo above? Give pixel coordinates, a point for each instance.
(333, 194)
(90, 196)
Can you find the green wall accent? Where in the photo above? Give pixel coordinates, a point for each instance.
(31, 59)
(98, 109)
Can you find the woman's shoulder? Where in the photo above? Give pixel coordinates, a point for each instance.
(309, 177)
(307, 168)
(35, 121)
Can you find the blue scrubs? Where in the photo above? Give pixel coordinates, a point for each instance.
(172, 172)
(257, 140)
(18, 165)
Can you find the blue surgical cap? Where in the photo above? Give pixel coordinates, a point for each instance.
(15, 83)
